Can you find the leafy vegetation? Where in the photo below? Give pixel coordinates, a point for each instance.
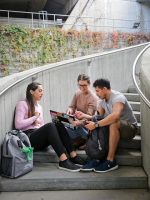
(26, 48)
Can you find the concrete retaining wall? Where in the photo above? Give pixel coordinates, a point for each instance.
(128, 10)
(60, 81)
(145, 113)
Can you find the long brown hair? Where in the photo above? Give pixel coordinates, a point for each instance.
(29, 99)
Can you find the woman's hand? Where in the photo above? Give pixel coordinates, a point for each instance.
(74, 123)
(69, 111)
(37, 114)
(79, 114)
(90, 125)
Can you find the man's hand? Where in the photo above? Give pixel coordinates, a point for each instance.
(90, 125)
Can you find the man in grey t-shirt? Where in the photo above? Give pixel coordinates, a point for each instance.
(127, 112)
(120, 118)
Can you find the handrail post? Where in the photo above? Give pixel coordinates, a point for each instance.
(43, 20)
(54, 19)
(32, 19)
(8, 16)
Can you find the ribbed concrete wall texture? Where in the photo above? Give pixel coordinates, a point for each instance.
(117, 9)
(145, 113)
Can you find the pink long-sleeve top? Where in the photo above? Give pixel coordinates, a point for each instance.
(22, 121)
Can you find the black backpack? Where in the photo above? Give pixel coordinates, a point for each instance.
(97, 144)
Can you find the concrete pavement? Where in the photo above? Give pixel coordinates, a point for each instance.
(130, 194)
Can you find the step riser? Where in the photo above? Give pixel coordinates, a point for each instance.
(139, 131)
(135, 107)
(129, 157)
(136, 162)
(56, 185)
(132, 97)
(137, 116)
(120, 160)
(130, 144)
(132, 90)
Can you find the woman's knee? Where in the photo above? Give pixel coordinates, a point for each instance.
(49, 125)
(49, 128)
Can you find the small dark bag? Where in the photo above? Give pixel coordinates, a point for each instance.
(97, 144)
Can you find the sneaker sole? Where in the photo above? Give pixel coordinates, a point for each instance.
(78, 165)
(116, 167)
(70, 170)
(87, 170)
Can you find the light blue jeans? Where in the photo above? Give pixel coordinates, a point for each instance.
(74, 133)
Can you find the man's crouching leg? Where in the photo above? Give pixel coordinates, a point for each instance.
(114, 137)
(110, 164)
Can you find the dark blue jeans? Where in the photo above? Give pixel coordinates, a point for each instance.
(74, 133)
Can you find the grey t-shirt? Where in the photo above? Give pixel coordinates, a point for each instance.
(127, 113)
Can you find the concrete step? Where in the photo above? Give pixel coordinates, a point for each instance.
(137, 115)
(132, 97)
(132, 89)
(123, 194)
(47, 176)
(135, 105)
(135, 143)
(139, 130)
(128, 157)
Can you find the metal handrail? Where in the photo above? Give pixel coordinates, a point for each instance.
(62, 15)
(133, 76)
(112, 20)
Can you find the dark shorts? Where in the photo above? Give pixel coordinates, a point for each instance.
(127, 130)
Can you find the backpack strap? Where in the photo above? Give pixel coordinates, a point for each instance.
(15, 132)
(96, 118)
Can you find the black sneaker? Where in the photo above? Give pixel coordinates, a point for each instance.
(78, 161)
(68, 166)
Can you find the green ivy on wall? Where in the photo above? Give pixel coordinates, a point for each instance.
(25, 48)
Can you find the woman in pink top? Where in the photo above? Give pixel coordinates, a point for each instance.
(29, 118)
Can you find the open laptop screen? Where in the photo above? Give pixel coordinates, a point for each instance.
(62, 117)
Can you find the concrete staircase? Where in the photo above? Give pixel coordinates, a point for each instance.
(47, 176)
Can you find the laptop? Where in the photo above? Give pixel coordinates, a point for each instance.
(63, 118)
